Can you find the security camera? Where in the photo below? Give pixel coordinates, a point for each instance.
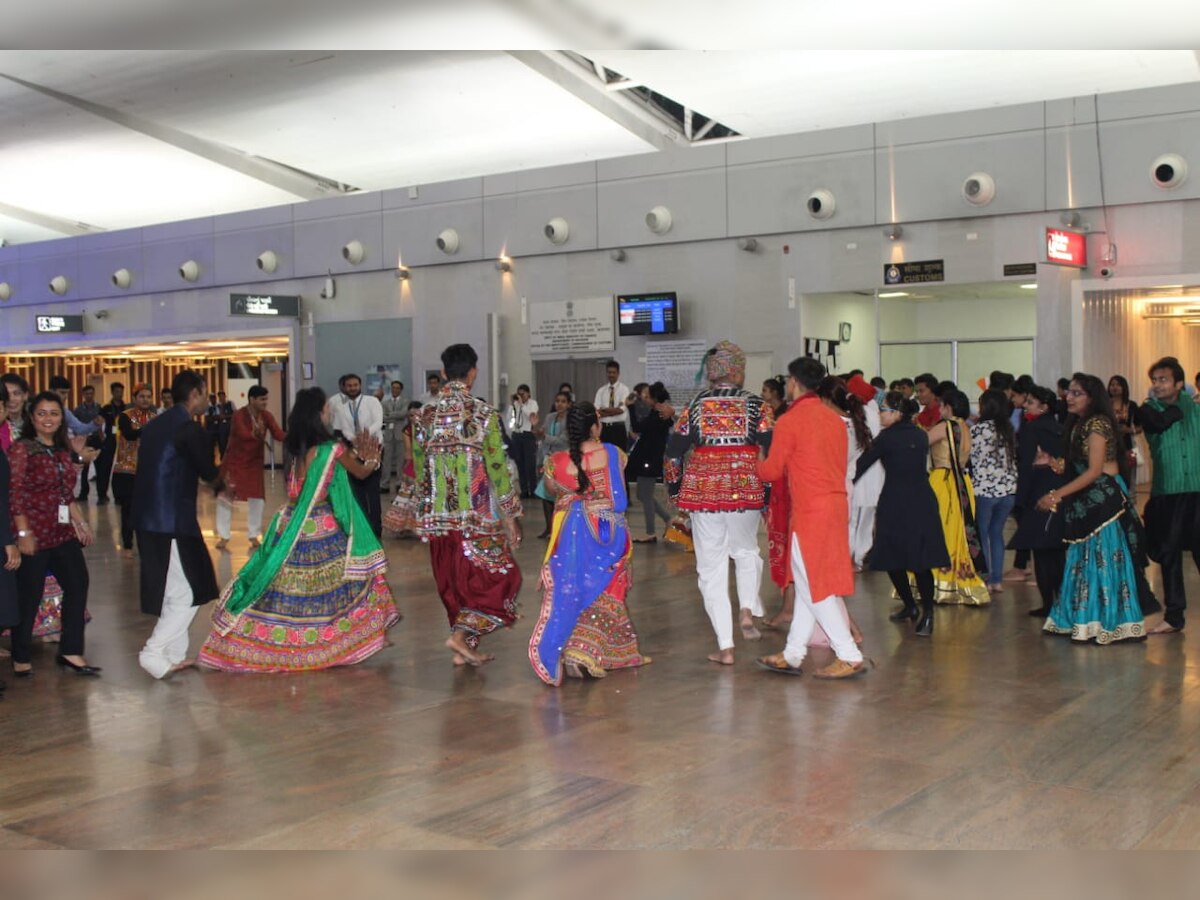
(268, 261)
(1107, 271)
(102, 314)
(329, 291)
(1169, 170)
(122, 278)
(447, 241)
(190, 270)
(5, 290)
(557, 231)
(979, 189)
(821, 204)
(354, 252)
(658, 220)
(59, 284)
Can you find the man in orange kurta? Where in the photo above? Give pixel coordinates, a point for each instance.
(809, 450)
(242, 465)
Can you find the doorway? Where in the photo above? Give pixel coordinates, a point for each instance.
(585, 376)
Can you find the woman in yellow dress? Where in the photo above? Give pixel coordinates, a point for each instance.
(949, 446)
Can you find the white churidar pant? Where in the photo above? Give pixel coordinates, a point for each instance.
(168, 643)
(718, 538)
(808, 613)
(254, 518)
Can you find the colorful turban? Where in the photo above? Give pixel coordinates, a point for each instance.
(860, 389)
(725, 362)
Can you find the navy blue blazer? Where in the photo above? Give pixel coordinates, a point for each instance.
(174, 453)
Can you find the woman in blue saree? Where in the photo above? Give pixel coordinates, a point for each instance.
(584, 626)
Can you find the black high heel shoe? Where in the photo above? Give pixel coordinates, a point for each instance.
(76, 668)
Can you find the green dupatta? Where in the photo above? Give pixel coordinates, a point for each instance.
(256, 576)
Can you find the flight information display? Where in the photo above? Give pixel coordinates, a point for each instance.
(648, 313)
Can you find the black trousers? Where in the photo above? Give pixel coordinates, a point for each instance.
(522, 447)
(1173, 529)
(69, 567)
(614, 433)
(1049, 566)
(1021, 559)
(366, 492)
(84, 485)
(1174, 598)
(122, 489)
(104, 464)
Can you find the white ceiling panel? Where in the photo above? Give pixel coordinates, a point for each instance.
(761, 93)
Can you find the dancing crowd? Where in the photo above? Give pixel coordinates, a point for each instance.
(909, 479)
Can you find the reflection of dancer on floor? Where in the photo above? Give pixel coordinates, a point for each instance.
(469, 508)
(584, 626)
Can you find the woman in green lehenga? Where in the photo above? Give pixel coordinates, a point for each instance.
(314, 596)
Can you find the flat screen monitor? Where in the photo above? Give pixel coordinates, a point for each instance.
(656, 313)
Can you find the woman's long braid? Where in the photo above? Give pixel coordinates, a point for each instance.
(580, 419)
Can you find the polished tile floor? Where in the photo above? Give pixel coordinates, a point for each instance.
(989, 735)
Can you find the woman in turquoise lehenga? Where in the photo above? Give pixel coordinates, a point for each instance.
(314, 595)
(1104, 594)
(584, 626)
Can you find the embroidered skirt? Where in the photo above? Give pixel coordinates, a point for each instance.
(313, 615)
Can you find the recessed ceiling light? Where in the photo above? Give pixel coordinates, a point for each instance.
(1029, 287)
(894, 294)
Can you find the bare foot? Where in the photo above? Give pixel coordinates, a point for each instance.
(458, 660)
(1164, 628)
(179, 667)
(749, 631)
(458, 646)
(724, 657)
(779, 622)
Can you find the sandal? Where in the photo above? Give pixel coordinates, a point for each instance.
(777, 664)
(646, 540)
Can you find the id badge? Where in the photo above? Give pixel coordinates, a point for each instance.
(64, 514)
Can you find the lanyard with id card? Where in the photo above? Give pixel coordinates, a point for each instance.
(64, 510)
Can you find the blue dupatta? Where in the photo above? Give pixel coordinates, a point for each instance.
(581, 561)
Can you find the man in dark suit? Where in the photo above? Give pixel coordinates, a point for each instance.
(176, 571)
(108, 450)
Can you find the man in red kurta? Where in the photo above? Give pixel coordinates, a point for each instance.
(242, 465)
(809, 450)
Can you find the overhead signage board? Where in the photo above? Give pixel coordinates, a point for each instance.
(920, 272)
(558, 327)
(1019, 269)
(1066, 248)
(59, 324)
(263, 305)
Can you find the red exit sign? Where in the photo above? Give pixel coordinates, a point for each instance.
(1066, 248)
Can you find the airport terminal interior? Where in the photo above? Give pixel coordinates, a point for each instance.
(1019, 225)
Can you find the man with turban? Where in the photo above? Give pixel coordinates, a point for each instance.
(723, 428)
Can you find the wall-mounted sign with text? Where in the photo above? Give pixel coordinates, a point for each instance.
(566, 327)
(59, 324)
(263, 305)
(1066, 248)
(921, 272)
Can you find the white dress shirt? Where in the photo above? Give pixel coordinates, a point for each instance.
(520, 416)
(617, 394)
(363, 413)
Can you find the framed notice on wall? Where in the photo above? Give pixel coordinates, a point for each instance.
(568, 327)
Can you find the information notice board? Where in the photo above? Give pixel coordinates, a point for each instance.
(675, 364)
(565, 327)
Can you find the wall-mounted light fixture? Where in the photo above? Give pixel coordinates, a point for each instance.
(5, 290)
(190, 270)
(504, 264)
(821, 204)
(122, 278)
(59, 284)
(894, 232)
(402, 273)
(1070, 218)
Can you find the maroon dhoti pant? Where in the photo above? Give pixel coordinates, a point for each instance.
(478, 580)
